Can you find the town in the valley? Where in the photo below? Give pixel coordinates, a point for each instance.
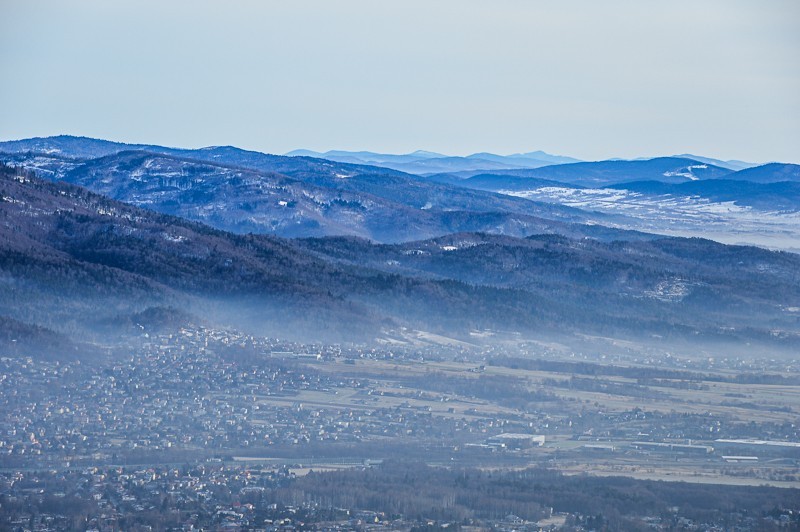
(215, 428)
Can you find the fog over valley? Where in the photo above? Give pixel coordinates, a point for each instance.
(365, 266)
(204, 313)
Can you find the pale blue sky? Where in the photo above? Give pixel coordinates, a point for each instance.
(583, 78)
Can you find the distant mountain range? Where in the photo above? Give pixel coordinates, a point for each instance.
(771, 187)
(79, 264)
(424, 162)
(604, 173)
(57, 152)
(769, 173)
(242, 191)
(301, 196)
(730, 164)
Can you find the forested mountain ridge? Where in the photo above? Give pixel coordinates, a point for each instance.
(668, 278)
(242, 191)
(604, 173)
(71, 259)
(246, 191)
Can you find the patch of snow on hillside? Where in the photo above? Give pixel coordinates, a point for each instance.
(173, 238)
(687, 175)
(461, 244)
(723, 221)
(672, 291)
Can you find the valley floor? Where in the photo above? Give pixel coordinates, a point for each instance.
(216, 400)
(724, 222)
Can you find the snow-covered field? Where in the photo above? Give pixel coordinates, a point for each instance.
(690, 216)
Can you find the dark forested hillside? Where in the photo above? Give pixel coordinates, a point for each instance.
(674, 282)
(71, 259)
(769, 173)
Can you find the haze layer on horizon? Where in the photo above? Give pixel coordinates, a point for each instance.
(592, 80)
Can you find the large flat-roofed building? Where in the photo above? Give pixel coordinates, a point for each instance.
(672, 447)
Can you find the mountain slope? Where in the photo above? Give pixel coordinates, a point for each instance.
(604, 173)
(72, 261)
(245, 191)
(499, 182)
(69, 146)
(665, 285)
(731, 164)
(69, 256)
(777, 196)
(380, 207)
(769, 173)
(66, 146)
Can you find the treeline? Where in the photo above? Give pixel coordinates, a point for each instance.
(419, 491)
(604, 386)
(501, 389)
(636, 372)
(418, 494)
(13, 171)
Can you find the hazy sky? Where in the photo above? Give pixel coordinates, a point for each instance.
(583, 78)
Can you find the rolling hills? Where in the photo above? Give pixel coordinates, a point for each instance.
(72, 261)
(299, 196)
(604, 173)
(243, 191)
(769, 173)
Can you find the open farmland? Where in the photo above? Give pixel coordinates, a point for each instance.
(238, 397)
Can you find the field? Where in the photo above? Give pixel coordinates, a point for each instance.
(590, 422)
